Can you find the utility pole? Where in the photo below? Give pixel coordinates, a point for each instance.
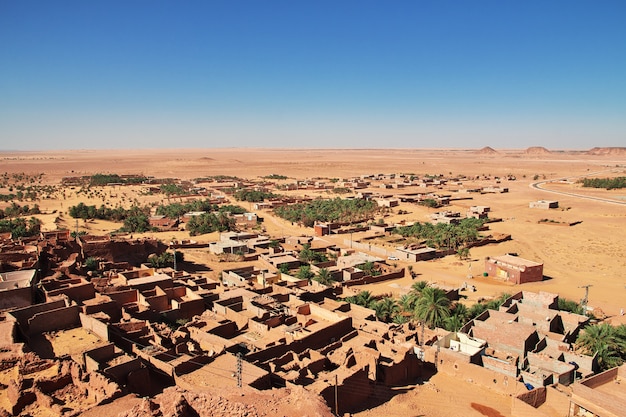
(175, 260)
(336, 398)
(585, 300)
(239, 368)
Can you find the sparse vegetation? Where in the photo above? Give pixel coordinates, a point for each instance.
(276, 177)
(429, 202)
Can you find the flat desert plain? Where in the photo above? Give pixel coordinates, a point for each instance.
(592, 252)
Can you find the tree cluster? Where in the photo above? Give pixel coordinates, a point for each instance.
(15, 210)
(254, 196)
(606, 341)
(117, 214)
(307, 255)
(425, 304)
(334, 210)
(165, 259)
(608, 183)
(175, 210)
(444, 236)
(210, 222)
(135, 219)
(172, 189)
(104, 179)
(20, 227)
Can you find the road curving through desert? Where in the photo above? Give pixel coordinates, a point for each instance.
(538, 186)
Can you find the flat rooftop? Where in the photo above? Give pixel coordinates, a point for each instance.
(514, 261)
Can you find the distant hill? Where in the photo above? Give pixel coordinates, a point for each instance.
(614, 150)
(537, 150)
(487, 150)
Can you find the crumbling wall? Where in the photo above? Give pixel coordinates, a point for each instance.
(28, 395)
(132, 251)
(476, 374)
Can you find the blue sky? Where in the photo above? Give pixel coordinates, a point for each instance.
(361, 74)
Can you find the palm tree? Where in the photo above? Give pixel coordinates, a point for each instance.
(365, 299)
(304, 272)
(461, 311)
(453, 323)
(324, 277)
(367, 267)
(399, 319)
(603, 340)
(497, 302)
(419, 286)
(432, 308)
(476, 310)
(386, 309)
(407, 301)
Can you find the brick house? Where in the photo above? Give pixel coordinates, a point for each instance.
(514, 269)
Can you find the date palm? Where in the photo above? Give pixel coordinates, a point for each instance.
(324, 277)
(604, 341)
(365, 299)
(432, 308)
(386, 309)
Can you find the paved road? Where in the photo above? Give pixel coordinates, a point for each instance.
(538, 186)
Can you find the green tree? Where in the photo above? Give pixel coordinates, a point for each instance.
(305, 272)
(306, 254)
(605, 341)
(136, 223)
(452, 323)
(386, 309)
(461, 311)
(407, 301)
(569, 305)
(324, 277)
(363, 298)
(432, 308)
(368, 267)
(418, 287)
(91, 263)
(476, 310)
(463, 253)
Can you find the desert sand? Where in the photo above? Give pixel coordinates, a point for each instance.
(592, 252)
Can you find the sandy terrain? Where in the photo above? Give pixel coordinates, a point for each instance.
(590, 252)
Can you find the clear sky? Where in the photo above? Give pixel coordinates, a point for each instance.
(345, 74)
